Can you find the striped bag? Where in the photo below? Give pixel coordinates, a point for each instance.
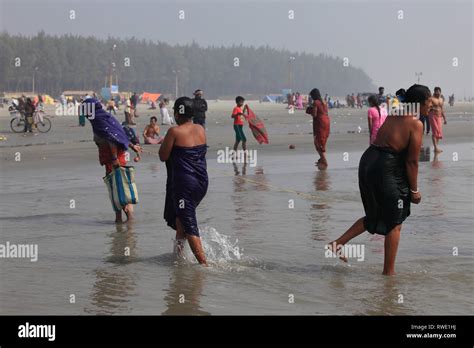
(122, 188)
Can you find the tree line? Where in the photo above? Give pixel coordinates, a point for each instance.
(71, 62)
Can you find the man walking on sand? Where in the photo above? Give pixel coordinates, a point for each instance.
(134, 102)
(200, 108)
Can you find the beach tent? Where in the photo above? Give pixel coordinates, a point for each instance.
(47, 99)
(105, 93)
(270, 99)
(146, 97)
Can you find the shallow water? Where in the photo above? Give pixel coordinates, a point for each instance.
(262, 253)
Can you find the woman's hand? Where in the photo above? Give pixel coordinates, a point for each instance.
(115, 163)
(136, 148)
(415, 197)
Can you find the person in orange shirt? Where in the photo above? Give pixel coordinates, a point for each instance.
(238, 116)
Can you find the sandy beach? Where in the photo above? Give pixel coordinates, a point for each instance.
(262, 252)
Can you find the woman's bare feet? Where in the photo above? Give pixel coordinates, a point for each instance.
(336, 249)
(322, 165)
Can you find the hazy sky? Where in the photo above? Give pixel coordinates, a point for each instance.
(430, 36)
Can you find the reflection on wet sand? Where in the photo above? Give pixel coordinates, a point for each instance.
(114, 284)
(248, 209)
(436, 182)
(185, 291)
(319, 215)
(236, 169)
(437, 164)
(321, 181)
(425, 154)
(154, 167)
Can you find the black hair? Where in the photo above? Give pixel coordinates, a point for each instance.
(401, 92)
(153, 118)
(417, 94)
(381, 88)
(239, 99)
(437, 89)
(374, 101)
(316, 95)
(184, 107)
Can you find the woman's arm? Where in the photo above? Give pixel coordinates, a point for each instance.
(167, 145)
(369, 119)
(413, 156)
(314, 109)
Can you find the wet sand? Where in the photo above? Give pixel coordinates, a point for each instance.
(262, 251)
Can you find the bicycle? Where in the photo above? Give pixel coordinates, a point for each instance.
(41, 122)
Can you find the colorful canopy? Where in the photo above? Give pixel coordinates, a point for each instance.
(146, 97)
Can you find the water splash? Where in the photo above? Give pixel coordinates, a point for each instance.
(219, 248)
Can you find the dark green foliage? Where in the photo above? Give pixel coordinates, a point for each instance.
(81, 63)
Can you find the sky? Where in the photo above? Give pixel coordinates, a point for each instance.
(389, 40)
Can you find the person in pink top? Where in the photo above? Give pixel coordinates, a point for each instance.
(376, 116)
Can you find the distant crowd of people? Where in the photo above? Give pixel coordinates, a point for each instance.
(388, 169)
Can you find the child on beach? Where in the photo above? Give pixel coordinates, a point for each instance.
(238, 116)
(151, 134)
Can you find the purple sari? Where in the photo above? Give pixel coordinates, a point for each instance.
(104, 125)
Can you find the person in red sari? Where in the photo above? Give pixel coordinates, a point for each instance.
(321, 126)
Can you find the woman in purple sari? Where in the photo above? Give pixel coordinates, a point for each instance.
(184, 150)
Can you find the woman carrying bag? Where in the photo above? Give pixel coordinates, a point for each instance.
(112, 143)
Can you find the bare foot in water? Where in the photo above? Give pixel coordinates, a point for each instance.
(438, 150)
(388, 273)
(322, 165)
(336, 250)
